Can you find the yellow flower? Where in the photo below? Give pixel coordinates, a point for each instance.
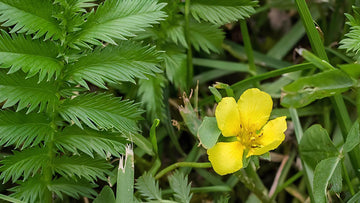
(247, 120)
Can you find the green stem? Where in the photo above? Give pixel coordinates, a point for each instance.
(190, 70)
(251, 172)
(248, 48)
(347, 179)
(47, 177)
(249, 183)
(309, 174)
(182, 164)
(312, 33)
(297, 124)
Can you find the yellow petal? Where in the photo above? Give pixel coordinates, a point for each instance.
(227, 117)
(272, 136)
(226, 157)
(254, 107)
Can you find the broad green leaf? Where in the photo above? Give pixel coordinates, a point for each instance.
(32, 56)
(148, 187)
(26, 93)
(323, 172)
(102, 111)
(118, 19)
(221, 12)
(106, 195)
(25, 163)
(125, 177)
(22, 129)
(208, 132)
(351, 69)
(335, 182)
(316, 145)
(179, 183)
(31, 17)
(307, 89)
(90, 141)
(124, 62)
(352, 139)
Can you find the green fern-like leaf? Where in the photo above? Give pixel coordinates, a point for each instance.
(30, 17)
(148, 187)
(35, 187)
(102, 111)
(26, 163)
(221, 12)
(118, 19)
(205, 36)
(89, 141)
(175, 65)
(179, 183)
(76, 5)
(72, 187)
(23, 129)
(32, 56)
(151, 94)
(113, 64)
(14, 88)
(82, 166)
(352, 39)
(30, 190)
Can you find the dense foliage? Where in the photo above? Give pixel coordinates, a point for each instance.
(98, 95)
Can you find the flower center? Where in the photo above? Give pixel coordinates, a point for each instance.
(249, 137)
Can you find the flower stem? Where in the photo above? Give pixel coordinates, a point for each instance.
(182, 164)
(249, 183)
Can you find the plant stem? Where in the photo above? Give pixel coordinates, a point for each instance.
(247, 45)
(312, 33)
(309, 174)
(190, 68)
(249, 183)
(182, 164)
(347, 179)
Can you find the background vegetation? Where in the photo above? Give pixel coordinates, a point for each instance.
(102, 100)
